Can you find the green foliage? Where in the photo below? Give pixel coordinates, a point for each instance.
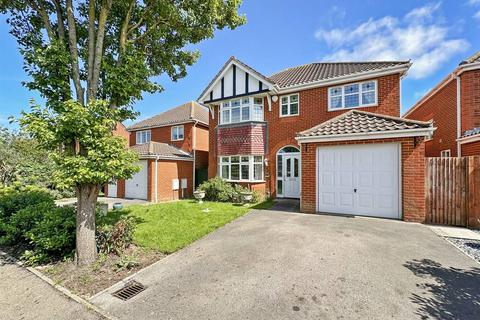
(31, 220)
(23, 161)
(81, 143)
(126, 262)
(115, 239)
(219, 190)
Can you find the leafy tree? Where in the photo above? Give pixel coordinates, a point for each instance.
(91, 60)
(23, 161)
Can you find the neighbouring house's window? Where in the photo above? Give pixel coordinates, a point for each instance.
(289, 105)
(354, 95)
(177, 133)
(143, 136)
(241, 168)
(445, 153)
(241, 110)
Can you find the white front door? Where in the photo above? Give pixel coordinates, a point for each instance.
(359, 180)
(291, 175)
(136, 187)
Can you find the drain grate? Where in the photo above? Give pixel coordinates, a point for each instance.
(130, 290)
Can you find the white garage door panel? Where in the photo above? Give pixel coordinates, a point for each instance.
(359, 179)
(136, 187)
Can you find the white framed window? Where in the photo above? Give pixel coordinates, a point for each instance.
(177, 133)
(445, 153)
(289, 105)
(353, 95)
(143, 136)
(241, 168)
(241, 110)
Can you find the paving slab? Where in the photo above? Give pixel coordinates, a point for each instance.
(25, 296)
(279, 265)
(455, 232)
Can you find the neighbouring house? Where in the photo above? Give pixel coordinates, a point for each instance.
(173, 152)
(454, 107)
(121, 131)
(327, 133)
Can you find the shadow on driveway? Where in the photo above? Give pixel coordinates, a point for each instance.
(454, 295)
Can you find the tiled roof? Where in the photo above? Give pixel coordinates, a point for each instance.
(361, 122)
(161, 150)
(471, 132)
(189, 111)
(472, 59)
(328, 70)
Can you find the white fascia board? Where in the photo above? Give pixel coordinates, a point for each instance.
(165, 125)
(424, 132)
(469, 139)
(343, 79)
(467, 67)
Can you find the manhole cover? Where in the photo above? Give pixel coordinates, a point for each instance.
(130, 290)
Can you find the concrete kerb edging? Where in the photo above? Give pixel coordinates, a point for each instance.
(60, 288)
(453, 245)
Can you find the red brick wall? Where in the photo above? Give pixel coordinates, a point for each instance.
(201, 140)
(167, 171)
(121, 131)
(163, 134)
(313, 110)
(470, 99)
(413, 175)
(471, 149)
(241, 139)
(442, 109)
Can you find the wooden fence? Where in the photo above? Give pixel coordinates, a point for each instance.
(452, 192)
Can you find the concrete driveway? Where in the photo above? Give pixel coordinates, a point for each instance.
(277, 265)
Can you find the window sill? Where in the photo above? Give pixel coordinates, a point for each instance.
(243, 123)
(289, 115)
(350, 108)
(246, 181)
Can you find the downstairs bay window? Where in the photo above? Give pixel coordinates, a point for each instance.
(241, 168)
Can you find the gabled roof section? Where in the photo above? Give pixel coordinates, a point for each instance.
(233, 61)
(161, 150)
(190, 111)
(314, 72)
(472, 59)
(363, 123)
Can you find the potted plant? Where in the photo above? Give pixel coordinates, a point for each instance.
(246, 196)
(117, 206)
(199, 195)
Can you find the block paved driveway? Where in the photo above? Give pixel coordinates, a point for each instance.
(279, 265)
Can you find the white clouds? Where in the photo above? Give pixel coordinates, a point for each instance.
(477, 15)
(416, 36)
(473, 2)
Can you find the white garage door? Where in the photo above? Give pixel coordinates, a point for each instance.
(359, 180)
(112, 189)
(136, 187)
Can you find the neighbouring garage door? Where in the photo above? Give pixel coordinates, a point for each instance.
(136, 187)
(359, 180)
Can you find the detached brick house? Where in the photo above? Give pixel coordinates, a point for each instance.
(173, 149)
(454, 107)
(327, 133)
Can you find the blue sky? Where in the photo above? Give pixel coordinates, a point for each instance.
(436, 35)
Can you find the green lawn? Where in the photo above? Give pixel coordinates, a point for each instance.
(170, 226)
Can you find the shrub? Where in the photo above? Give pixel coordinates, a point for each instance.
(217, 189)
(13, 199)
(116, 238)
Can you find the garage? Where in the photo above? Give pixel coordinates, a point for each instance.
(136, 187)
(359, 179)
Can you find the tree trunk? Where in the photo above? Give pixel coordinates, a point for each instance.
(86, 251)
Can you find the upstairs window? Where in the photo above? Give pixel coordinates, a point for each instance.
(363, 94)
(289, 105)
(241, 110)
(143, 136)
(177, 133)
(445, 153)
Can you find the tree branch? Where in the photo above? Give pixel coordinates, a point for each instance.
(124, 31)
(91, 46)
(61, 26)
(102, 20)
(72, 41)
(45, 18)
